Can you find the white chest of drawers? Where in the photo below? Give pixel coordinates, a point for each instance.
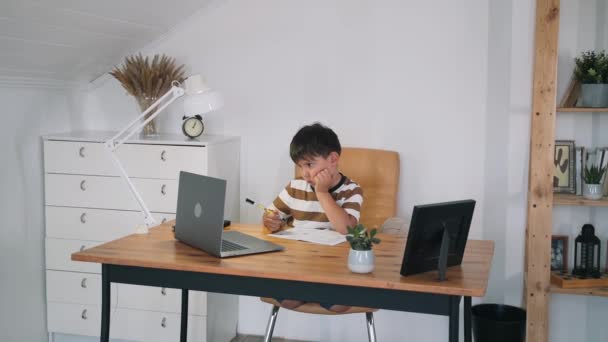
(87, 203)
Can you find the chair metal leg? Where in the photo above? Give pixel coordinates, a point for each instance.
(271, 321)
(371, 328)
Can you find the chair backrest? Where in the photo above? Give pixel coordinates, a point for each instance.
(377, 171)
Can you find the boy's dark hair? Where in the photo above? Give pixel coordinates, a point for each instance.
(313, 141)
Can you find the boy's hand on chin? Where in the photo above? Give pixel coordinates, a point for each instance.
(323, 181)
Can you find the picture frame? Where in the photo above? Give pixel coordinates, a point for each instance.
(559, 253)
(564, 170)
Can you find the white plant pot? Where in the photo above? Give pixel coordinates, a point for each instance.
(593, 191)
(361, 261)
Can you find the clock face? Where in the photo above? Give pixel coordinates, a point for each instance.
(193, 127)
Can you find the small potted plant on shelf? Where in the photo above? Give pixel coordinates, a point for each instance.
(591, 70)
(361, 256)
(592, 175)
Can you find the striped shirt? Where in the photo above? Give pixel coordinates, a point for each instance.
(298, 203)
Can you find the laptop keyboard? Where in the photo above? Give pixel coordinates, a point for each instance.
(228, 246)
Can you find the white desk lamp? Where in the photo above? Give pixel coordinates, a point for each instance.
(200, 99)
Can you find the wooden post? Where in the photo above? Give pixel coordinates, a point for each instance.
(540, 186)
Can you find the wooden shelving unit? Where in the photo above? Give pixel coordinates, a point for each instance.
(541, 199)
(540, 184)
(582, 110)
(575, 200)
(592, 291)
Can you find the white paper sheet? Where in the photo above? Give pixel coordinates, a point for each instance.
(319, 236)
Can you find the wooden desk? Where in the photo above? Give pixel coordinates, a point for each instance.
(302, 271)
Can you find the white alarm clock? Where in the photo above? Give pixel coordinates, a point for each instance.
(193, 126)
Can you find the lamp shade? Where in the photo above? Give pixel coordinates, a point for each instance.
(202, 103)
(199, 98)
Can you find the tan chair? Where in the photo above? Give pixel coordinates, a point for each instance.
(377, 172)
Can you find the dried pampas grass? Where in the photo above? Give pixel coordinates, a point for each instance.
(143, 78)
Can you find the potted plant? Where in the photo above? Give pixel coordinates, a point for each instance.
(591, 70)
(592, 175)
(148, 80)
(361, 257)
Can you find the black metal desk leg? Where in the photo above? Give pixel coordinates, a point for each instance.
(467, 319)
(454, 317)
(105, 303)
(184, 329)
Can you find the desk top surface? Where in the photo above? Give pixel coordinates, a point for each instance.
(300, 261)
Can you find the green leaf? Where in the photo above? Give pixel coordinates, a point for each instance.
(360, 238)
(593, 174)
(591, 67)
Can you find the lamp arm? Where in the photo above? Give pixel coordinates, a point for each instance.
(148, 219)
(133, 127)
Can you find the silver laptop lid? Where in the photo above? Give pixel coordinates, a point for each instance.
(199, 220)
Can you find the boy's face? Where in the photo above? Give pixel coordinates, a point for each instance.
(310, 167)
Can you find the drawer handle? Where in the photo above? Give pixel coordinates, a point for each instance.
(83, 185)
(83, 283)
(163, 189)
(84, 314)
(163, 156)
(163, 323)
(163, 291)
(82, 248)
(81, 152)
(83, 217)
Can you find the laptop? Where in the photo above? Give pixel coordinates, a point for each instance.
(200, 219)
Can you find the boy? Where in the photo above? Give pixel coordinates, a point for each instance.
(322, 197)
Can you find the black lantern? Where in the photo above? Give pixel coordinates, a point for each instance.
(587, 253)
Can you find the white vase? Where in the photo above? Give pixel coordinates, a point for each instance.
(361, 261)
(593, 191)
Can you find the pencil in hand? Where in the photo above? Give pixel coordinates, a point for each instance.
(259, 205)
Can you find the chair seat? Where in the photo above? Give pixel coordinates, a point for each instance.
(316, 308)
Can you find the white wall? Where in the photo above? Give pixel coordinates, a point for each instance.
(406, 76)
(381, 75)
(26, 114)
(507, 136)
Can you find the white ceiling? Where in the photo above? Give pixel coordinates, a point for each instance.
(58, 41)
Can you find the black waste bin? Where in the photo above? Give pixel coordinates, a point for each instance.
(498, 323)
